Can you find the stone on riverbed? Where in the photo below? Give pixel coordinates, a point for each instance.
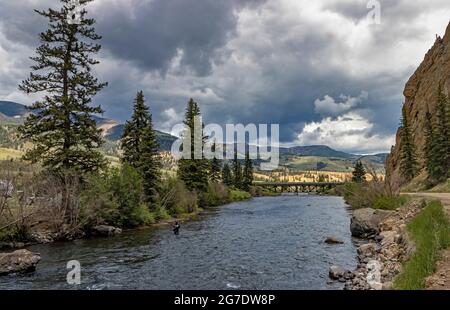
(333, 240)
(105, 230)
(19, 261)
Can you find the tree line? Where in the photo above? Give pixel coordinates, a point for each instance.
(65, 139)
(436, 150)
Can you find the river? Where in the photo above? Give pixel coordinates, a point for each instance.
(263, 243)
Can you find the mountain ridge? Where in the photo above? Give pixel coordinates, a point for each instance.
(113, 129)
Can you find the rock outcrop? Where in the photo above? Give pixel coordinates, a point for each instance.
(18, 262)
(421, 94)
(365, 222)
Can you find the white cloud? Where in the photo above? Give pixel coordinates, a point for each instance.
(172, 118)
(329, 107)
(350, 132)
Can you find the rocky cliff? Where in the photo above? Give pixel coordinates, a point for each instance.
(421, 94)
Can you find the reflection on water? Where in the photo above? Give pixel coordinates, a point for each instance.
(265, 243)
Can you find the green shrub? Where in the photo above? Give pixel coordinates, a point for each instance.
(98, 205)
(370, 195)
(237, 195)
(114, 198)
(141, 216)
(430, 231)
(217, 194)
(161, 214)
(385, 202)
(176, 198)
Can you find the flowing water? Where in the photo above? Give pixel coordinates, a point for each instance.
(264, 243)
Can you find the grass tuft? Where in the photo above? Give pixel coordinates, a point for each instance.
(430, 231)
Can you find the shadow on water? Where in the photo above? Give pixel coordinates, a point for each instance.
(264, 243)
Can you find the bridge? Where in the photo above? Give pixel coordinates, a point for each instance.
(297, 187)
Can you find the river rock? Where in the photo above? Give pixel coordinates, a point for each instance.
(18, 261)
(333, 240)
(367, 250)
(364, 222)
(388, 237)
(336, 272)
(105, 230)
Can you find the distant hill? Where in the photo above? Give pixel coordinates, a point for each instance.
(377, 158)
(12, 109)
(315, 150)
(15, 113)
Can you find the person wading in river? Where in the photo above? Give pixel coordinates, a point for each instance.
(176, 228)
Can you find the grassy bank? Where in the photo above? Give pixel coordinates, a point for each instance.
(421, 184)
(370, 195)
(430, 231)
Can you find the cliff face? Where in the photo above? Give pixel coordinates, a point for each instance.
(421, 93)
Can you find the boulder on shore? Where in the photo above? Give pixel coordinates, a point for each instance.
(336, 272)
(105, 230)
(365, 222)
(18, 262)
(333, 240)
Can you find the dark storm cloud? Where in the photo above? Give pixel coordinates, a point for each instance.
(152, 33)
(245, 61)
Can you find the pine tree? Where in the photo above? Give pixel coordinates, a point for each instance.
(247, 178)
(430, 151)
(140, 148)
(194, 172)
(442, 135)
(214, 168)
(237, 172)
(227, 178)
(132, 135)
(359, 173)
(408, 162)
(62, 129)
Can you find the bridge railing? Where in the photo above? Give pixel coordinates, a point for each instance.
(298, 183)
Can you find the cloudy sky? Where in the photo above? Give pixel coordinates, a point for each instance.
(322, 69)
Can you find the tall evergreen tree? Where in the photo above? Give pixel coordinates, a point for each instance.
(237, 172)
(193, 172)
(140, 147)
(443, 135)
(132, 135)
(227, 178)
(408, 161)
(62, 129)
(214, 168)
(430, 151)
(247, 177)
(359, 173)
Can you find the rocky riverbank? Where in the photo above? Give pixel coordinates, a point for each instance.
(386, 248)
